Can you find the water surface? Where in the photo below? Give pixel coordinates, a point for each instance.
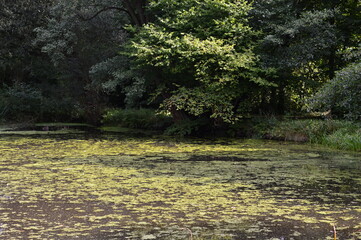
(110, 187)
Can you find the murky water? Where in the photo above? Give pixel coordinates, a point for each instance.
(108, 187)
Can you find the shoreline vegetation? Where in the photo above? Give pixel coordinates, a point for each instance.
(336, 134)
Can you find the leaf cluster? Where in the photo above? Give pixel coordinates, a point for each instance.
(204, 51)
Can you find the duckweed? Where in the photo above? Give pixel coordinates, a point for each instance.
(110, 187)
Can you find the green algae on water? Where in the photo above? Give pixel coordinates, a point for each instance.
(115, 188)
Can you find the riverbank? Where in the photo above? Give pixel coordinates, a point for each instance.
(336, 134)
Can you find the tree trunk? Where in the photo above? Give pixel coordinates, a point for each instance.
(332, 64)
(178, 115)
(136, 11)
(281, 100)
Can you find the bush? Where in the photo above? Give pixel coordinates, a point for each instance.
(260, 126)
(342, 94)
(60, 110)
(334, 133)
(187, 127)
(343, 139)
(146, 119)
(20, 102)
(23, 102)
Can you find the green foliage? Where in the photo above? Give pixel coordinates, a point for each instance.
(23, 102)
(342, 95)
(334, 133)
(344, 139)
(314, 130)
(136, 118)
(260, 126)
(200, 49)
(20, 103)
(292, 37)
(197, 101)
(17, 22)
(76, 44)
(215, 59)
(58, 110)
(117, 74)
(293, 42)
(302, 40)
(187, 127)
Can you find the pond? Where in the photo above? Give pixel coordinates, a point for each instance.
(80, 186)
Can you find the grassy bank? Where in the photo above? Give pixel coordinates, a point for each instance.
(339, 134)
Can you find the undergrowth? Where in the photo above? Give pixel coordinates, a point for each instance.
(136, 118)
(339, 134)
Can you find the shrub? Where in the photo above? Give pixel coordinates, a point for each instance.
(23, 102)
(342, 94)
(343, 139)
(314, 130)
(146, 119)
(186, 127)
(20, 102)
(338, 134)
(60, 110)
(260, 126)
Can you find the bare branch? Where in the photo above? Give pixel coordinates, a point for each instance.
(102, 10)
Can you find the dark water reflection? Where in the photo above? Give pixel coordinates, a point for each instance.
(110, 187)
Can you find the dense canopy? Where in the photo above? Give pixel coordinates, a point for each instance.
(212, 60)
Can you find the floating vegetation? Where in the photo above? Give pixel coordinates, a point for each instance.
(110, 187)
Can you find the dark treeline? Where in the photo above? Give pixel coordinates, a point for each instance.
(215, 60)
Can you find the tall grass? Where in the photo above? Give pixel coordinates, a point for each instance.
(342, 139)
(340, 134)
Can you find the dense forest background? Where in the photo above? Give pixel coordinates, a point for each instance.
(210, 61)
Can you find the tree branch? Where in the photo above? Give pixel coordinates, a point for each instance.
(103, 10)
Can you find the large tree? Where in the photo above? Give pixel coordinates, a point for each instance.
(18, 56)
(303, 42)
(200, 54)
(342, 94)
(81, 38)
(77, 37)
